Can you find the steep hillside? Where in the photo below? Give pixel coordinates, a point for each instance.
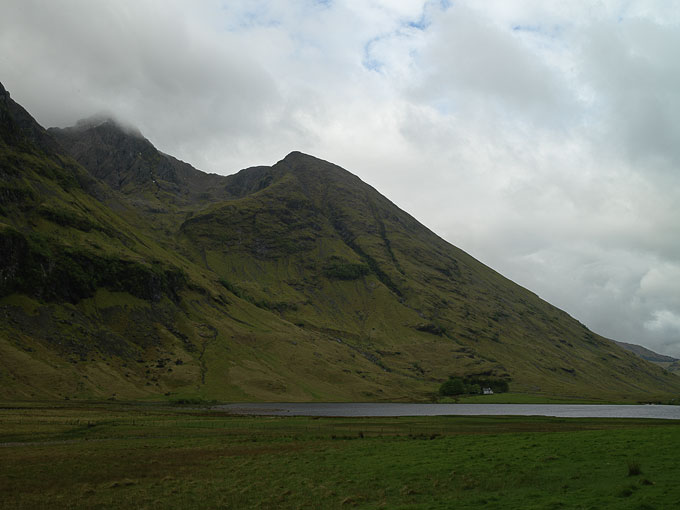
(88, 299)
(333, 256)
(126, 273)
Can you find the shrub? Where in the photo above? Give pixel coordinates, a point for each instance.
(634, 468)
(474, 389)
(471, 385)
(454, 386)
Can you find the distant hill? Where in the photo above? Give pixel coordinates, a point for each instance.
(666, 362)
(126, 273)
(647, 354)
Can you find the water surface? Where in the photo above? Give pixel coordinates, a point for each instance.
(365, 409)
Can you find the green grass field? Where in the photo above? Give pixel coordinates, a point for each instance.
(142, 456)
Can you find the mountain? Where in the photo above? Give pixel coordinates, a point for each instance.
(666, 362)
(126, 273)
(646, 354)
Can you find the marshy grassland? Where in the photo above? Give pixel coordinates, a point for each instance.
(113, 455)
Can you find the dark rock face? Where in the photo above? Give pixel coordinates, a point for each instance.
(112, 155)
(13, 250)
(126, 161)
(56, 273)
(250, 180)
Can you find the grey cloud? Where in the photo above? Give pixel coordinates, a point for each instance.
(171, 76)
(476, 66)
(634, 72)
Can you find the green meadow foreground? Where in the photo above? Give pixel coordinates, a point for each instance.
(141, 456)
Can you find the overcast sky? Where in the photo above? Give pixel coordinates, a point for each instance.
(542, 137)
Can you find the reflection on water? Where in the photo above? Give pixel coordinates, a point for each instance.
(395, 409)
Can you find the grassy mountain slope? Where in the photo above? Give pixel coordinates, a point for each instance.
(126, 273)
(341, 260)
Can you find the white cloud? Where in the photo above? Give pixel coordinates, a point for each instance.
(664, 320)
(473, 66)
(631, 70)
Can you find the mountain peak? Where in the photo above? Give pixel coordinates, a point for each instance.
(301, 157)
(310, 166)
(296, 155)
(117, 153)
(111, 150)
(107, 120)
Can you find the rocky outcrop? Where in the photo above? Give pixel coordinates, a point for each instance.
(121, 157)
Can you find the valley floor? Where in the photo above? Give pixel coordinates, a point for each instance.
(109, 455)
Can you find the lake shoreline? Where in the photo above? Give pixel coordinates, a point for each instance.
(363, 409)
